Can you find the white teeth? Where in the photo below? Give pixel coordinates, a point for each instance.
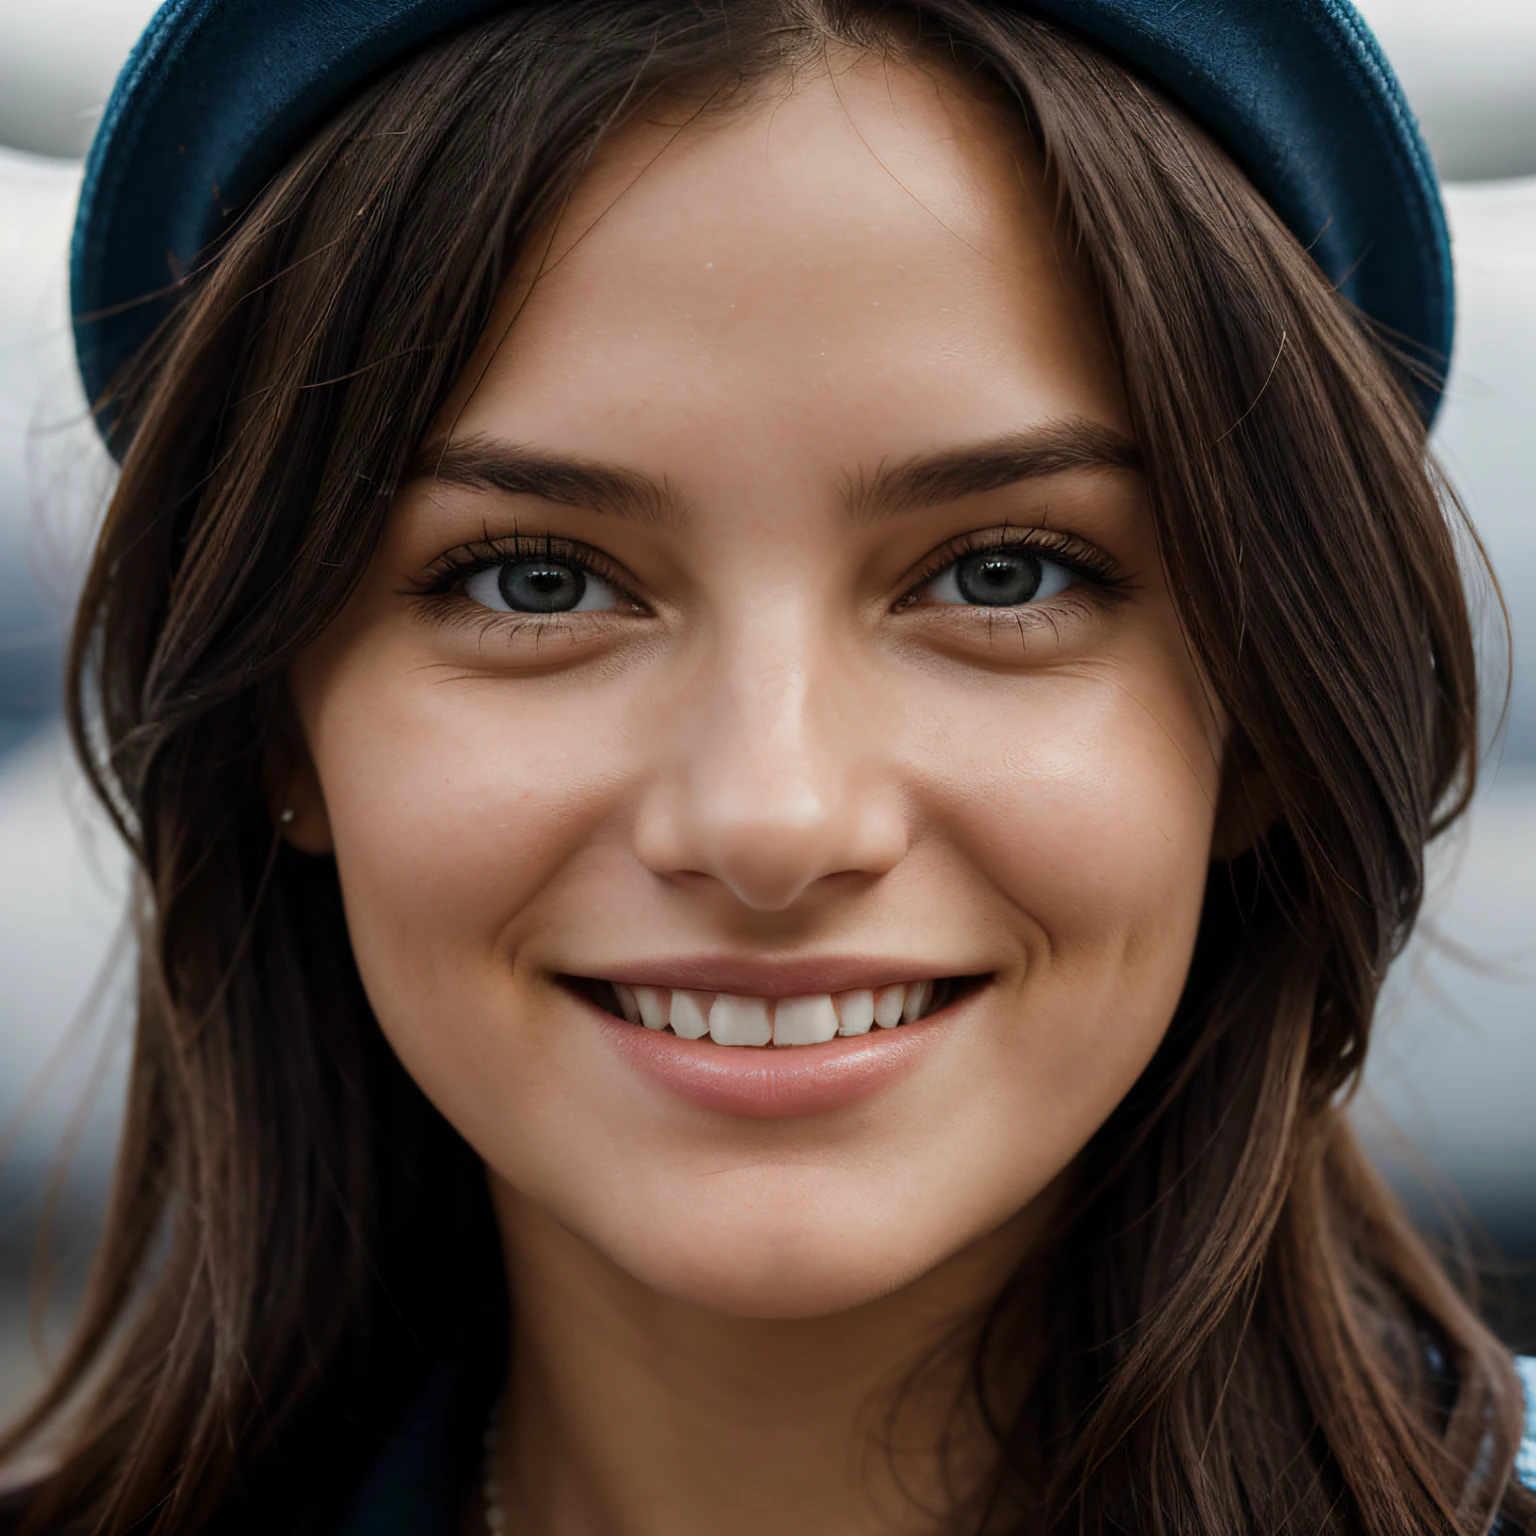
(653, 1011)
(739, 1021)
(858, 1012)
(918, 996)
(890, 1004)
(804, 1020)
(810, 1020)
(690, 1015)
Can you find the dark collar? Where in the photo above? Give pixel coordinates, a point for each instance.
(415, 1486)
(415, 1483)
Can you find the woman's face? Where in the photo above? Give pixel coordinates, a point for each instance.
(778, 616)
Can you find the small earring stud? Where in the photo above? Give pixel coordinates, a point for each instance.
(287, 816)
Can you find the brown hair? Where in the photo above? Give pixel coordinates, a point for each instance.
(1247, 1336)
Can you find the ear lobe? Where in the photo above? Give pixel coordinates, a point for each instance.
(1247, 806)
(295, 800)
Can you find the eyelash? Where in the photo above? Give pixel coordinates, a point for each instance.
(1083, 559)
(456, 566)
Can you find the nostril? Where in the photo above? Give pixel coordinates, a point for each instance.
(767, 792)
(767, 863)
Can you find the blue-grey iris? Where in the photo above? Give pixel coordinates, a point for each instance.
(542, 586)
(998, 578)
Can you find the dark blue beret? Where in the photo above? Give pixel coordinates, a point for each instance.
(219, 93)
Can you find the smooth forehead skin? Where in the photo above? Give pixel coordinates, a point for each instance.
(855, 238)
(773, 752)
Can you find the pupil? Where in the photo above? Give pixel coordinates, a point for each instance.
(542, 586)
(998, 578)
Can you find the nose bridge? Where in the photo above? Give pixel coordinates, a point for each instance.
(772, 784)
(770, 744)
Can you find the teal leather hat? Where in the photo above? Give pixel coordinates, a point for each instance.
(219, 93)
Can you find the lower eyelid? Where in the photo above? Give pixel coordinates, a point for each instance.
(1057, 619)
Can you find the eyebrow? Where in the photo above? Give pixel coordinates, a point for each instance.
(481, 464)
(1052, 448)
(1071, 443)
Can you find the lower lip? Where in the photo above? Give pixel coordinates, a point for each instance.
(776, 1082)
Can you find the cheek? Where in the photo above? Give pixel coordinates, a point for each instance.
(1089, 810)
(1105, 807)
(452, 809)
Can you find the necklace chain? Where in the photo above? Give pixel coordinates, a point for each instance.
(490, 1472)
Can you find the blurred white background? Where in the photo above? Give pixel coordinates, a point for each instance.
(1452, 1087)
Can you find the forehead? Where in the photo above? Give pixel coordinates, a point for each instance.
(866, 252)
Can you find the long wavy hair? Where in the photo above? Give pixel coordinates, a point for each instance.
(1242, 1332)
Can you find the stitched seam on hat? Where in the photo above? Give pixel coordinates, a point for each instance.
(144, 77)
(1390, 108)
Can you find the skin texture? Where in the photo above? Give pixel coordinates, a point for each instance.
(779, 744)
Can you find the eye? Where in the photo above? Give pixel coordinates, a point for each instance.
(541, 584)
(1008, 577)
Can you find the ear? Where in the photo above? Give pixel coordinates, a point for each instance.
(1247, 806)
(291, 784)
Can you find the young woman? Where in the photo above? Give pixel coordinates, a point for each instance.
(779, 670)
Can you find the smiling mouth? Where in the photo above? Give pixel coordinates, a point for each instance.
(729, 1019)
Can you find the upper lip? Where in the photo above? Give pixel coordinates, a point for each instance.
(769, 976)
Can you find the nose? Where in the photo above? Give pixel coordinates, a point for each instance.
(774, 777)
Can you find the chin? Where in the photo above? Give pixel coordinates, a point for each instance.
(772, 1242)
(779, 1261)
(771, 1283)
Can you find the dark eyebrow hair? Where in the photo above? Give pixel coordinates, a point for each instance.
(1071, 443)
(480, 464)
